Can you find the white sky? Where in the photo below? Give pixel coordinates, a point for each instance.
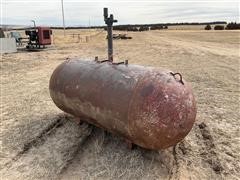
(77, 12)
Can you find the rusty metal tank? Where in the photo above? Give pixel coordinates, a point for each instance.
(151, 107)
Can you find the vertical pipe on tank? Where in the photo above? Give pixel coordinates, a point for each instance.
(109, 21)
(110, 43)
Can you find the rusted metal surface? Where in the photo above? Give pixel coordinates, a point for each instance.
(150, 107)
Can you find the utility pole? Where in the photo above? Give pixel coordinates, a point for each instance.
(63, 18)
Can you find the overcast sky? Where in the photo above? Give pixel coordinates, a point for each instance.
(77, 12)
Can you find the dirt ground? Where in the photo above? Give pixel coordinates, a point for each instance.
(39, 141)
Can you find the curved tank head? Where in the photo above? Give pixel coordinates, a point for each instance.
(162, 110)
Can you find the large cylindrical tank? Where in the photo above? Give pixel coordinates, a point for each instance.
(150, 107)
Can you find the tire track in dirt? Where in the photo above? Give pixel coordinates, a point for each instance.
(179, 152)
(174, 168)
(40, 139)
(106, 156)
(49, 153)
(193, 154)
(209, 154)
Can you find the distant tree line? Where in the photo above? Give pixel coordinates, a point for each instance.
(131, 28)
(218, 27)
(158, 27)
(233, 25)
(141, 27)
(145, 27)
(229, 26)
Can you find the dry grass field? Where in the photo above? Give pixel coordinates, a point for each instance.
(38, 141)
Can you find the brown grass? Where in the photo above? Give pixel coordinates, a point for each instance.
(39, 142)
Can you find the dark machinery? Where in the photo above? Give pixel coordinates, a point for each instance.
(151, 107)
(2, 35)
(120, 36)
(38, 37)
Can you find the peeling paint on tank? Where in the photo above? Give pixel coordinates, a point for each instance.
(146, 105)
